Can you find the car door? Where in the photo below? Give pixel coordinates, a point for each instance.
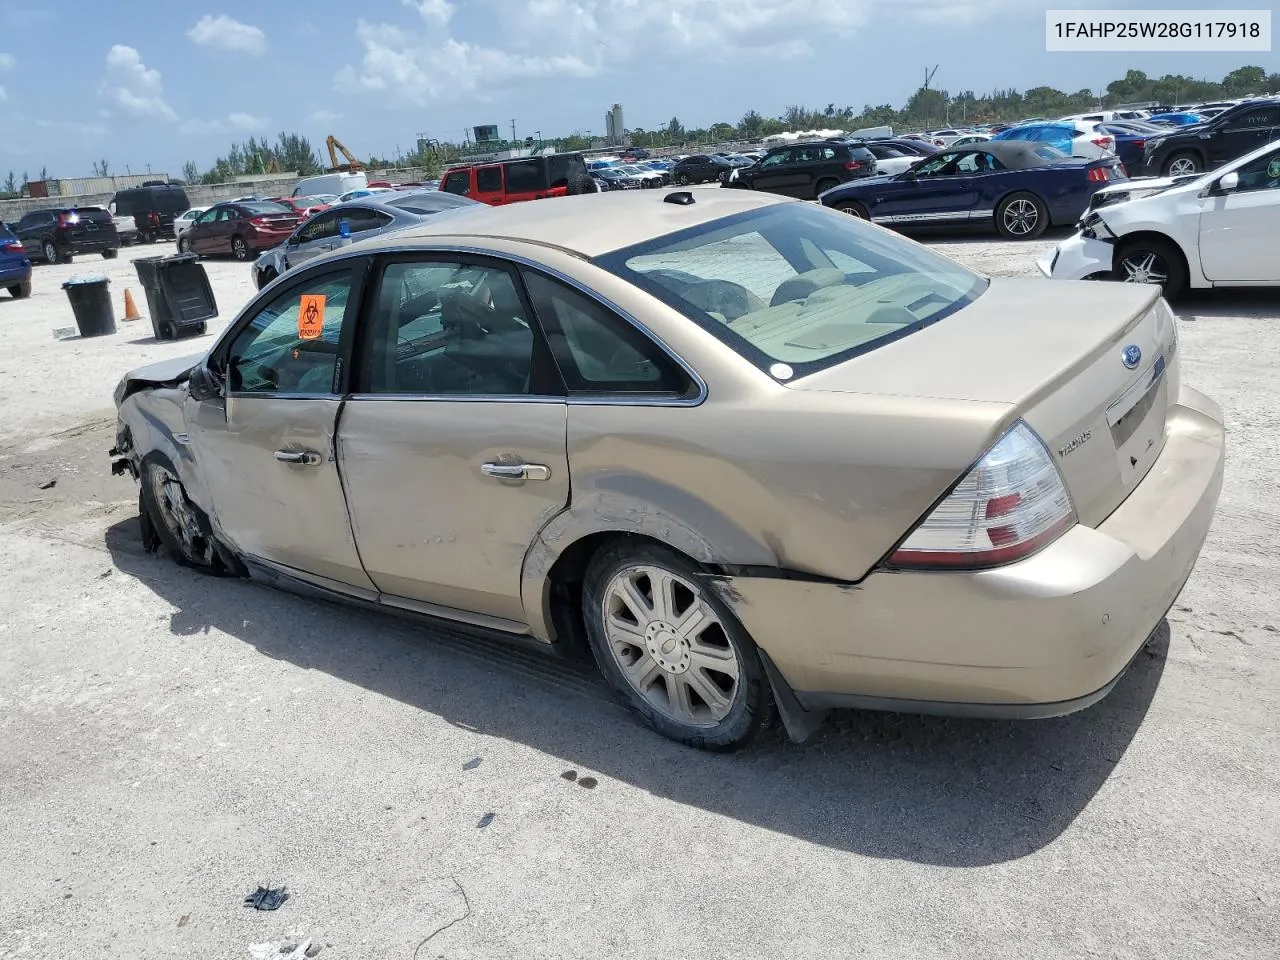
(200, 232)
(318, 235)
(489, 185)
(453, 445)
(1245, 132)
(772, 173)
(943, 189)
(265, 448)
(1238, 228)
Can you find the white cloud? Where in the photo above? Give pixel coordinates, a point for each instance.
(234, 123)
(7, 62)
(134, 88)
(440, 10)
(4, 94)
(324, 116)
(227, 34)
(245, 121)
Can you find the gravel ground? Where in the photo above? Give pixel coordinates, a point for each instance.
(168, 742)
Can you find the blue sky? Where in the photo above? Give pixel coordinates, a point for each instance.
(159, 84)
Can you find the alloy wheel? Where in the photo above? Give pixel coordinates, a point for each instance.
(50, 252)
(178, 516)
(670, 645)
(1143, 266)
(240, 249)
(1182, 167)
(1021, 217)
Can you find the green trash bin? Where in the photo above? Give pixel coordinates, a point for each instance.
(91, 304)
(179, 298)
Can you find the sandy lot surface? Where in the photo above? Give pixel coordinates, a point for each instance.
(168, 742)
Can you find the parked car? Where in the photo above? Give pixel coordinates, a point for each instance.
(1129, 144)
(749, 414)
(1175, 119)
(907, 145)
(945, 138)
(239, 229)
(969, 139)
(363, 218)
(612, 178)
(182, 223)
(1075, 139)
(332, 183)
(891, 158)
(126, 227)
(153, 208)
(700, 168)
(647, 177)
(1104, 116)
(1215, 230)
(304, 206)
(57, 234)
(1233, 133)
(513, 181)
(15, 265)
(806, 170)
(1020, 189)
(361, 194)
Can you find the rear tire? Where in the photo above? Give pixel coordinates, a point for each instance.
(240, 249)
(20, 291)
(1152, 260)
(692, 672)
(1183, 164)
(50, 252)
(110, 254)
(825, 184)
(1021, 216)
(682, 179)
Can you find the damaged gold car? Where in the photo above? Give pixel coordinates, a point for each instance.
(756, 456)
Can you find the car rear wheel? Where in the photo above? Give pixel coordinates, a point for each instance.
(181, 526)
(1021, 216)
(825, 184)
(853, 209)
(682, 179)
(20, 291)
(50, 252)
(672, 648)
(1152, 260)
(1183, 165)
(110, 254)
(240, 249)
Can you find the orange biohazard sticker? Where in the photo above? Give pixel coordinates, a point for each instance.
(311, 316)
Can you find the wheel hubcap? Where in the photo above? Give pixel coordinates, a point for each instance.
(1144, 267)
(178, 516)
(50, 252)
(1182, 166)
(1020, 217)
(670, 645)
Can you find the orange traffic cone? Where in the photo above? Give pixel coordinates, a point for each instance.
(130, 308)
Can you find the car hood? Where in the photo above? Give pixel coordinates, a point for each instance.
(162, 373)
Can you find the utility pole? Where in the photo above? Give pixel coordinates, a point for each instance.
(928, 78)
(513, 131)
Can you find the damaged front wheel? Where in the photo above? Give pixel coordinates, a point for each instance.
(178, 524)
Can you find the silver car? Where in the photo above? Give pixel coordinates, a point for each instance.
(364, 218)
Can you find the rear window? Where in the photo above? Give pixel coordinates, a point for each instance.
(458, 182)
(266, 206)
(524, 176)
(795, 288)
(488, 179)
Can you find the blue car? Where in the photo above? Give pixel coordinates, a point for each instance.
(1176, 119)
(1130, 143)
(15, 268)
(1018, 188)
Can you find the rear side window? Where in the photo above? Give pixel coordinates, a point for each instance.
(458, 182)
(488, 179)
(596, 350)
(524, 176)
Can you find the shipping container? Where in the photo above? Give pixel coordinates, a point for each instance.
(89, 186)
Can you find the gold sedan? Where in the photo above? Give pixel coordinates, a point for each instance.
(756, 456)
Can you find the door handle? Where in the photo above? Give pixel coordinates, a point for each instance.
(306, 458)
(516, 471)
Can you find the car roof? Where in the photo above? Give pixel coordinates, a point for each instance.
(593, 224)
(1014, 154)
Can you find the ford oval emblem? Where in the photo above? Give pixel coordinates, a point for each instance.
(1131, 356)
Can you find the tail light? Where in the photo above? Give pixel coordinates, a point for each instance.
(1104, 142)
(258, 221)
(1140, 144)
(853, 164)
(1097, 175)
(64, 219)
(154, 219)
(1012, 503)
(13, 246)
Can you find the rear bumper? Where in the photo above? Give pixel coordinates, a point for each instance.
(15, 274)
(1077, 258)
(1042, 637)
(96, 245)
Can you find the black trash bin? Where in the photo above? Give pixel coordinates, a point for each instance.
(179, 297)
(91, 303)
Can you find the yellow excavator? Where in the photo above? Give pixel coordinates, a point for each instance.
(335, 146)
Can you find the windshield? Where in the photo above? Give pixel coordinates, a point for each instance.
(797, 288)
(1046, 152)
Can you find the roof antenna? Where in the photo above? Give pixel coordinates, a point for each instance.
(682, 197)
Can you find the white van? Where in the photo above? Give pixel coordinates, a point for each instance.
(332, 183)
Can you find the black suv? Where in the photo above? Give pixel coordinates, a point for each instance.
(700, 169)
(153, 207)
(806, 170)
(56, 235)
(1203, 146)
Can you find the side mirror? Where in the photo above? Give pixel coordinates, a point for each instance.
(1229, 182)
(202, 384)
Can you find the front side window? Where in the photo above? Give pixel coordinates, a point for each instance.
(489, 179)
(322, 227)
(772, 284)
(1257, 119)
(941, 165)
(1260, 174)
(775, 159)
(449, 328)
(208, 216)
(360, 220)
(292, 345)
(596, 350)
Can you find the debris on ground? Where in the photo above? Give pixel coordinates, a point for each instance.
(570, 775)
(441, 929)
(486, 820)
(267, 898)
(472, 763)
(48, 484)
(588, 782)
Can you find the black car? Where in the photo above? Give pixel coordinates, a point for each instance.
(153, 207)
(1203, 146)
(805, 170)
(58, 234)
(700, 168)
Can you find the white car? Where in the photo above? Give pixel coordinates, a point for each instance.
(1215, 230)
(1086, 139)
(364, 192)
(945, 138)
(181, 224)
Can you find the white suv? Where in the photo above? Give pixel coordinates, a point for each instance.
(1215, 230)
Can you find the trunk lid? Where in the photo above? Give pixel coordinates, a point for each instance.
(1091, 367)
